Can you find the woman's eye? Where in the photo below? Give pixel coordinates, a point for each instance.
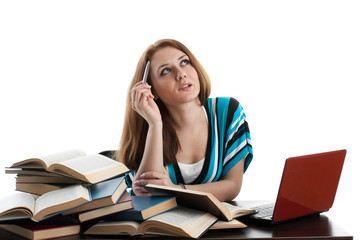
(184, 62)
(165, 71)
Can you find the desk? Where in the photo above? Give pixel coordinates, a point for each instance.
(311, 227)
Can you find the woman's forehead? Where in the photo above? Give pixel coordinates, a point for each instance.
(166, 54)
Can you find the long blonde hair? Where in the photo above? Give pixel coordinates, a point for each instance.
(132, 143)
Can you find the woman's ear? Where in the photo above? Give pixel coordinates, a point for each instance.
(156, 97)
(154, 93)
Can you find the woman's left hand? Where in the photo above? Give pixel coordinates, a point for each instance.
(153, 177)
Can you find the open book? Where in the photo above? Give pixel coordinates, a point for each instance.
(200, 200)
(23, 205)
(181, 221)
(227, 225)
(75, 163)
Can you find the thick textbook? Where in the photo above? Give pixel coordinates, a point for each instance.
(37, 232)
(75, 163)
(102, 194)
(145, 207)
(39, 175)
(19, 205)
(23, 178)
(38, 188)
(180, 221)
(122, 205)
(200, 200)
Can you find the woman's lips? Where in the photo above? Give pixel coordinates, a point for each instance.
(185, 86)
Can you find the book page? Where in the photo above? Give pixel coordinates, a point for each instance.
(114, 228)
(17, 200)
(180, 221)
(50, 159)
(237, 211)
(90, 165)
(60, 200)
(180, 216)
(62, 156)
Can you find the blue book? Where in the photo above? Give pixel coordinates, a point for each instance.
(102, 194)
(108, 189)
(144, 208)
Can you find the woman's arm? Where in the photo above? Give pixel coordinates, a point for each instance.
(224, 190)
(152, 159)
(143, 103)
(227, 188)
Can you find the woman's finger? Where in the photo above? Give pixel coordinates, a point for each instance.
(140, 183)
(139, 98)
(140, 191)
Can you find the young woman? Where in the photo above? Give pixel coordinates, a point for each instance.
(175, 135)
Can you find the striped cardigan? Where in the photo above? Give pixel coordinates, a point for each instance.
(229, 142)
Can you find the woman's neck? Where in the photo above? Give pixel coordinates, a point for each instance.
(186, 115)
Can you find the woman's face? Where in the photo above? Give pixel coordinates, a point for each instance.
(174, 79)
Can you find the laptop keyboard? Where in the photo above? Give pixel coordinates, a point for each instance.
(265, 211)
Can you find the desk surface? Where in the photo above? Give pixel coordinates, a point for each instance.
(311, 227)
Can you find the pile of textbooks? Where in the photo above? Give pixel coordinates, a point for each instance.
(70, 193)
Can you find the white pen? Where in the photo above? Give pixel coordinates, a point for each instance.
(146, 72)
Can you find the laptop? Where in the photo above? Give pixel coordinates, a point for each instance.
(308, 186)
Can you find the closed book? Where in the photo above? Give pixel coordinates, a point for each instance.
(145, 207)
(23, 178)
(38, 188)
(39, 231)
(122, 205)
(102, 194)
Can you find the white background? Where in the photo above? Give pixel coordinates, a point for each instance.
(65, 67)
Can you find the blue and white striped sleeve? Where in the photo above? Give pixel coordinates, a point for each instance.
(238, 141)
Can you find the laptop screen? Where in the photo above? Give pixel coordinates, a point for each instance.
(308, 184)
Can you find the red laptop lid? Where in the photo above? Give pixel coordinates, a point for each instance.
(308, 184)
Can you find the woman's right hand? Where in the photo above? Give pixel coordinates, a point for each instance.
(143, 103)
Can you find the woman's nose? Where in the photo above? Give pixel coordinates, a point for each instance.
(180, 75)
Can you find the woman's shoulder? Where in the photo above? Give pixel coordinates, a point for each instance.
(224, 102)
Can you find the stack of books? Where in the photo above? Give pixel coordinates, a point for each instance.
(73, 193)
(196, 213)
(49, 186)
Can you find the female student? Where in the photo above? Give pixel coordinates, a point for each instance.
(175, 135)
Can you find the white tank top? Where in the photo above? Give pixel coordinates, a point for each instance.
(190, 172)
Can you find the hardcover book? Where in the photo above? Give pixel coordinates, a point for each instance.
(75, 163)
(102, 194)
(37, 232)
(125, 203)
(145, 207)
